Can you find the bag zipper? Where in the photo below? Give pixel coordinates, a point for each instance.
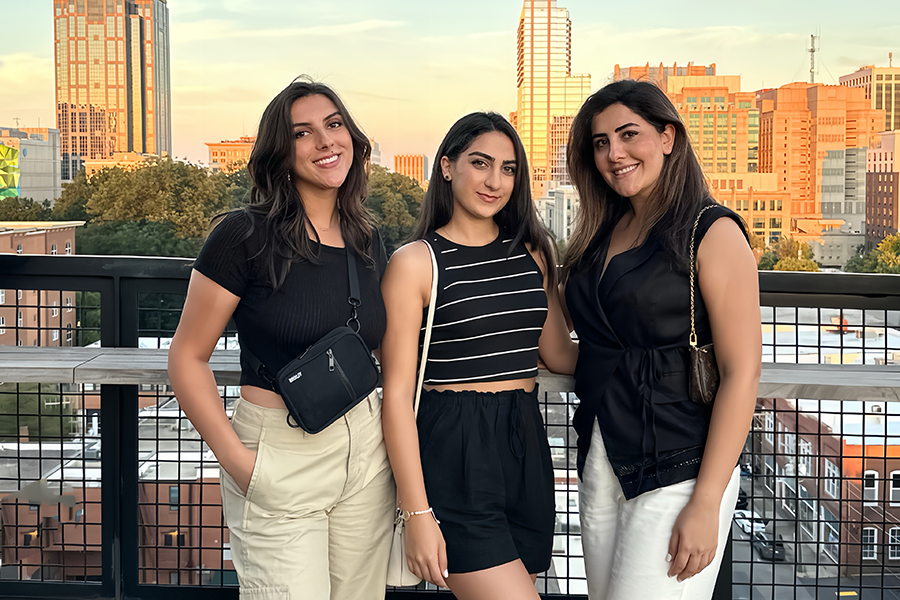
(332, 363)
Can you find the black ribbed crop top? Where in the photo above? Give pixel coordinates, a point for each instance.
(491, 307)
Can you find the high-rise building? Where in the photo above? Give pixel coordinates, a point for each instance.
(814, 137)
(30, 163)
(545, 86)
(112, 78)
(412, 165)
(661, 74)
(226, 154)
(882, 189)
(375, 156)
(882, 86)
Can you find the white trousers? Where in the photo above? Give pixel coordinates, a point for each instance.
(626, 541)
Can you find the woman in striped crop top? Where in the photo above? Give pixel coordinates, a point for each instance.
(477, 457)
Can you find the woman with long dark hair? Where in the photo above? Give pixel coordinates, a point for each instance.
(473, 472)
(659, 481)
(309, 515)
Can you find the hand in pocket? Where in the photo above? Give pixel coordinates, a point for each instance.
(241, 467)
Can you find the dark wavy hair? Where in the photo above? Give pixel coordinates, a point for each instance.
(517, 219)
(275, 203)
(680, 191)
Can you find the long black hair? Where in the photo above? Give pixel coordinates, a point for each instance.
(680, 191)
(517, 219)
(274, 199)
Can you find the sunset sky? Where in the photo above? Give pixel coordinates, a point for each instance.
(408, 68)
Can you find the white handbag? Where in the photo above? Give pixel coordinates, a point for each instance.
(398, 571)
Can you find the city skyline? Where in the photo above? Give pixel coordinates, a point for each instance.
(423, 69)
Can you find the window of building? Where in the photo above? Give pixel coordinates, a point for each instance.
(68, 247)
(769, 426)
(54, 335)
(895, 488)
(68, 304)
(54, 312)
(19, 249)
(53, 250)
(20, 320)
(869, 541)
(2, 296)
(894, 543)
(805, 463)
(870, 487)
(2, 325)
(832, 479)
(173, 497)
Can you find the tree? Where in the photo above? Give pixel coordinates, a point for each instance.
(862, 263)
(796, 264)
(14, 208)
(39, 407)
(767, 261)
(395, 199)
(887, 255)
(135, 238)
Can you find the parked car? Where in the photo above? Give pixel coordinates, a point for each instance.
(768, 548)
(742, 499)
(749, 521)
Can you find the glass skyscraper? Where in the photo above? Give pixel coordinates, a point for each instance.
(546, 89)
(112, 78)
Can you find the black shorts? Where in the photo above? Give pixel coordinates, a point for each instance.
(489, 477)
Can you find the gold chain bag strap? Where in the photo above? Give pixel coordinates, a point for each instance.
(398, 570)
(704, 374)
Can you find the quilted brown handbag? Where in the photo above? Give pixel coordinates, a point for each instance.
(704, 374)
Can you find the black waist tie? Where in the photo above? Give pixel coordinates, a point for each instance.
(650, 372)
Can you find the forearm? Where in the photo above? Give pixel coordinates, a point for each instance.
(195, 388)
(731, 419)
(402, 441)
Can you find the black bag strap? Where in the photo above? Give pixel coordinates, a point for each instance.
(260, 369)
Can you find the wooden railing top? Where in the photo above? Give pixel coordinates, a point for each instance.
(135, 366)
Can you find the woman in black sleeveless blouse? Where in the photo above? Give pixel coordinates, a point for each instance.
(659, 481)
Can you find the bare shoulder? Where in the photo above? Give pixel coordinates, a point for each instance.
(413, 256)
(538, 257)
(723, 237)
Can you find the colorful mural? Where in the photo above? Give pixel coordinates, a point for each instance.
(9, 172)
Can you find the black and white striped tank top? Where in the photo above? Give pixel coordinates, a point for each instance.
(491, 307)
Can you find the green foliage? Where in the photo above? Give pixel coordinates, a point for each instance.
(395, 199)
(237, 185)
(135, 238)
(14, 208)
(767, 261)
(887, 255)
(38, 406)
(792, 263)
(87, 318)
(788, 247)
(561, 250)
(757, 242)
(862, 263)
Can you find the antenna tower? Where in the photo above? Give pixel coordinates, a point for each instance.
(813, 48)
(17, 119)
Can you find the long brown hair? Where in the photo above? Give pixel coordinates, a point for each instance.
(680, 191)
(517, 219)
(275, 199)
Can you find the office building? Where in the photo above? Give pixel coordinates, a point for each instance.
(882, 87)
(112, 79)
(37, 317)
(814, 137)
(30, 163)
(545, 86)
(413, 165)
(229, 154)
(882, 189)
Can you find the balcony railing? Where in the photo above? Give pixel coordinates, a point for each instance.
(107, 491)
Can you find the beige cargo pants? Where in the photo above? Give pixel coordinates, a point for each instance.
(316, 521)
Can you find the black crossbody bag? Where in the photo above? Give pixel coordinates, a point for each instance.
(331, 376)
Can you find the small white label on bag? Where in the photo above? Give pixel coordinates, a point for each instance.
(295, 376)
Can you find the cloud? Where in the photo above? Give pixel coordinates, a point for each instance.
(202, 31)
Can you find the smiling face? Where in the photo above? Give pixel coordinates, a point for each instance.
(628, 151)
(483, 176)
(323, 147)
